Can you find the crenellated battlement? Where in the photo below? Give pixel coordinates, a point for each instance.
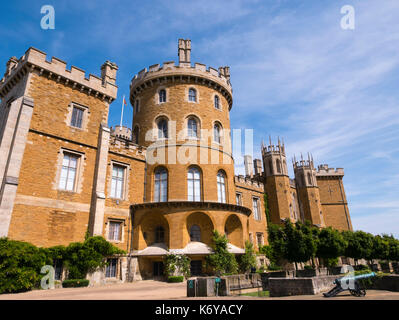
(169, 71)
(303, 164)
(247, 180)
(56, 69)
(324, 170)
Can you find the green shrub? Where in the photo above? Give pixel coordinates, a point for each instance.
(75, 283)
(20, 265)
(274, 267)
(221, 260)
(176, 279)
(308, 267)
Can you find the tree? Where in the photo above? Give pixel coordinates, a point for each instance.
(247, 260)
(393, 244)
(380, 248)
(301, 247)
(81, 258)
(222, 261)
(277, 243)
(331, 245)
(177, 264)
(359, 246)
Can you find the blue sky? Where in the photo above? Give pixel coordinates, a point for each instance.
(295, 73)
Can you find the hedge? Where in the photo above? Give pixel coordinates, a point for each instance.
(176, 279)
(75, 283)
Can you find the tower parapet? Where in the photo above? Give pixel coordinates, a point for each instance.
(274, 158)
(56, 69)
(323, 171)
(183, 72)
(122, 132)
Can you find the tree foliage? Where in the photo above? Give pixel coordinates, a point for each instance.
(331, 244)
(177, 265)
(222, 261)
(247, 260)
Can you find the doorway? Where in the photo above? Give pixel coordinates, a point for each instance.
(196, 267)
(158, 270)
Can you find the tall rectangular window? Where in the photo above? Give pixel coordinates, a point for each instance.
(110, 271)
(194, 184)
(115, 230)
(117, 182)
(77, 117)
(259, 238)
(238, 199)
(68, 172)
(255, 204)
(221, 186)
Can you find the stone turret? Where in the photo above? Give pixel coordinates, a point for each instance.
(108, 72)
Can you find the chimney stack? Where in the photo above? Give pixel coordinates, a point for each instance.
(248, 166)
(184, 52)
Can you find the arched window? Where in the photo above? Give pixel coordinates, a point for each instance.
(195, 233)
(278, 165)
(162, 129)
(136, 135)
(159, 234)
(161, 185)
(192, 128)
(309, 178)
(217, 102)
(271, 167)
(162, 95)
(194, 184)
(217, 133)
(192, 95)
(137, 106)
(221, 186)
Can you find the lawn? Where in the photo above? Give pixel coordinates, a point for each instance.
(256, 294)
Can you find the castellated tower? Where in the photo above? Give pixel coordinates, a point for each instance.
(181, 115)
(332, 196)
(277, 182)
(308, 191)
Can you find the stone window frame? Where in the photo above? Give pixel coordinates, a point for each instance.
(259, 215)
(85, 118)
(157, 96)
(122, 222)
(155, 126)
(220, 102)
(117, 271)
(226, 195)
(156, 169)
(198, 120)
(188, 93)
(262, 239)
(239, 194)
(221, 132)
(200, 180)
(136, 108)
(78, 184)
(125, 193)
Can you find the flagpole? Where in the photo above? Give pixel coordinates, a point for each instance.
(123, 104)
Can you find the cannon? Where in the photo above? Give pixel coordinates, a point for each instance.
(351, 283)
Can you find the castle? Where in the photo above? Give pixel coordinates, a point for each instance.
(149, 190)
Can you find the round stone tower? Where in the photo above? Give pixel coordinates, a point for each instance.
(181, 115)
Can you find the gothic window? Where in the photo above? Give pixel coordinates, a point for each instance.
(136, 135)
(161, 185)
(159, 234)
(217, 133)
(217, 102)
(194, 184)
(162, 129)
(137, 106)
(192, 95)
(270, 167)
(192, 128)
(162, 95)
(195, 233)
(221, 186)
(278, 165)
(309, 178)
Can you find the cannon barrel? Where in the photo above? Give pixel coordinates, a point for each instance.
(355, 278)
